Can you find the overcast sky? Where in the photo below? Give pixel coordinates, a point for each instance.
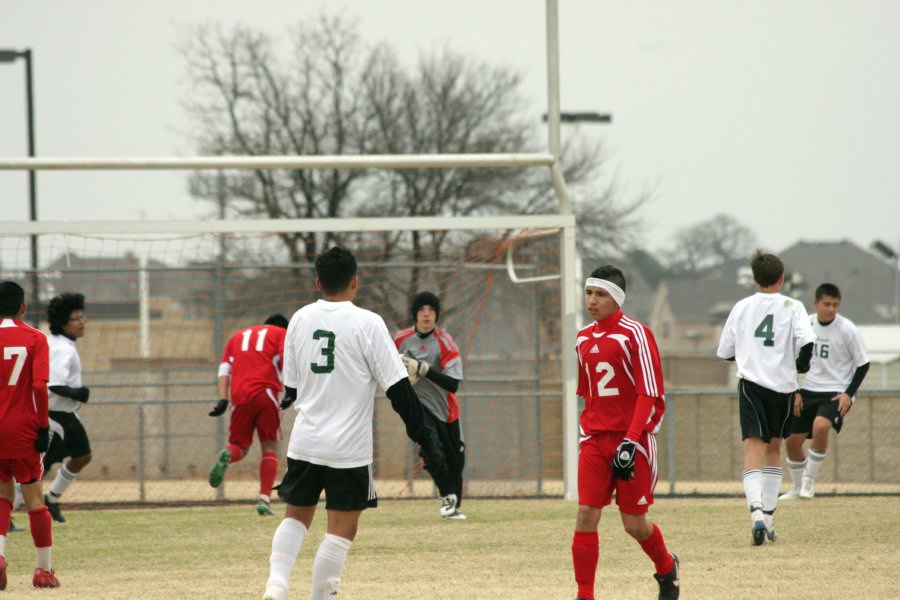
(782, 113)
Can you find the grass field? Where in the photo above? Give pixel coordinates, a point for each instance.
(830, 548)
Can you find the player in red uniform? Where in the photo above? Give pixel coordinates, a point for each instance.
(620, 379)
(252, 364)
(24, 428)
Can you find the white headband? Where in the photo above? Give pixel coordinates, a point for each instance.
(617, 293)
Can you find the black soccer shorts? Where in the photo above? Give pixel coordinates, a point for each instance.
(817, 404)
(764, 414)
(345, 489)
(74, 443)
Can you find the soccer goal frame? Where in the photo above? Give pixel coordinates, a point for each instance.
(563, 221)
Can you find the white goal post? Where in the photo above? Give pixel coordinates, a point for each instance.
(563, 222)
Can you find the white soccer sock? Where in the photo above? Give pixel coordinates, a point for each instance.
(771, 486)
(2, 545)
(64, 479)
(43, 558)
(796, 471)
(19, 502)
(753, 487)
(327, 567)
(813, 463)
(285, 547)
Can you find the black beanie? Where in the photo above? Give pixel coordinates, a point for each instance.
(423, 298)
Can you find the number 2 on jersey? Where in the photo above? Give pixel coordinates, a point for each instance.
(327, 351)
(607, 374)
(20, 353)
(766, 331)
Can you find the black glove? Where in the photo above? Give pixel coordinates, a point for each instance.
(430, 451)
(221, 405)
(81, 394)
(290, 394)
(623, 463)
(42, 443)
(286, 403)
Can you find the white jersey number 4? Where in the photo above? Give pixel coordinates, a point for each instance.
(20, 353)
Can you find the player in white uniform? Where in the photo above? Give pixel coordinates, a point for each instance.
(65, 313)
(335, 354)
(770, 338)
(839, 365)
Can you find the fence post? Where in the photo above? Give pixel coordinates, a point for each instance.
(670, 443)
(141, 457)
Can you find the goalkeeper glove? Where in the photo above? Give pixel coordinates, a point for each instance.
(415, 368)
(221, 405)
(42, 443)
(286, 403)
(81, 394)
(290, 394)
(623, 463)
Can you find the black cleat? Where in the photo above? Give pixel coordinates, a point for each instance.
(669, 583)
(55, 512)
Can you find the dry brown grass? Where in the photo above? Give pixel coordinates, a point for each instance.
(830, 548)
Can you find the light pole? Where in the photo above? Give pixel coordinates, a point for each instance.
(8, 56)
(888, 253)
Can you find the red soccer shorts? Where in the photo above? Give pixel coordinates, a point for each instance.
(596, 483)
(261, 413)
(25, 470)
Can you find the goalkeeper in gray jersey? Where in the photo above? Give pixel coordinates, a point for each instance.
(435, 370)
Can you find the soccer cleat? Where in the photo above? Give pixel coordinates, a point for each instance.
(758, 529)
(13, 528)
(275, 592)
(456, 516)
(54, 509)
(263, 509)
(217, 474)
(2, 573)
(806, 488)
(791, 494)
(448, 505)
(44, 579)
(669, 583)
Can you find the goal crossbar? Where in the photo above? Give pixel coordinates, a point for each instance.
(371, 161)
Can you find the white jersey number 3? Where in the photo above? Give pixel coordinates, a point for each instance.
(20, 353)
(607, 373)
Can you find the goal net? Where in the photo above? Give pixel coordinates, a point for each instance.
(160, 308)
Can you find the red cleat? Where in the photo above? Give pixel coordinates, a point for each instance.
(2, 573)
(44, 579)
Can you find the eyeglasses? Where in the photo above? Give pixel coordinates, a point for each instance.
(81, 318)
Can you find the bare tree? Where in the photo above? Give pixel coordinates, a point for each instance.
(710, 243)
(334, 94)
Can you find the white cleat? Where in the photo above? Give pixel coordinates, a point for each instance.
(758, 528)
(770, 527)
(806, 488)
(275, 592)
(791, 494)
(457, 516)
(448, 505)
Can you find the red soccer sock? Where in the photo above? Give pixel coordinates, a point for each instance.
(268, 468)
(5, 515)
(585, 554)
(41, 533)
(236, 453)
(655, 547)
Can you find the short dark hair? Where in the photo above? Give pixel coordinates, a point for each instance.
(828, 289)
(61, 308)
(611, 274)
(12, 297)
(335, 269)
(278, 320)
(767, 268)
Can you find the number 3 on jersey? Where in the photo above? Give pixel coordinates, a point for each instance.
(765, 330)
(327, 352)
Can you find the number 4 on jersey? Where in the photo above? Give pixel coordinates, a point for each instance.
(766, 331)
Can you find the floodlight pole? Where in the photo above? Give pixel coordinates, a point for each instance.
(12, 56)
(890, 254)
